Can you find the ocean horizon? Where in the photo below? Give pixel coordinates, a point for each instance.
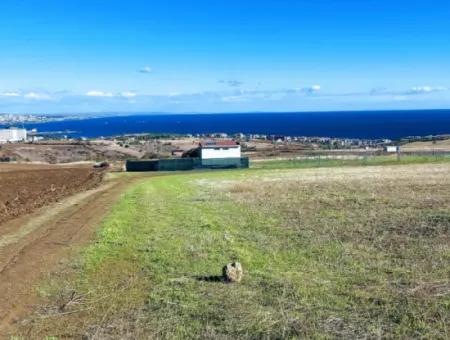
(339, 124)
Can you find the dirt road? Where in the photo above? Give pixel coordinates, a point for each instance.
(33, 245)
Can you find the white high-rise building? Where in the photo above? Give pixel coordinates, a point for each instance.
(12, 135)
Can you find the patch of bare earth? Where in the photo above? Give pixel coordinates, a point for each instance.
(24, 189)
(33, 245)
(67, 152)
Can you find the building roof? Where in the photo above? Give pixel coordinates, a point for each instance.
(217, 143)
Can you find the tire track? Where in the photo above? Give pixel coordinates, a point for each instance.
(33, 245)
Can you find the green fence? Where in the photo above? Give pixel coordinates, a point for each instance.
(180, 164)
(176, 164)
(223, 163)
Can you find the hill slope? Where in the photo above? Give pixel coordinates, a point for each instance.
(337, 252)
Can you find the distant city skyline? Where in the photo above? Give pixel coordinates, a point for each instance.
(223, 56)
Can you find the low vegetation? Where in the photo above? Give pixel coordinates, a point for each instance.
(326, 161)
(342, 252)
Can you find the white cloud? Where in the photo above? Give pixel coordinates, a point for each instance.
(264, 95)
(379, 91)
(229, 99)
(312, 89)
(146, 69)
(36, 96)
(400, 98)
(250, 95)
(128, 94)
(425, 89)
(10, 94)
(231, 83)
(95, 93)
(234, 98)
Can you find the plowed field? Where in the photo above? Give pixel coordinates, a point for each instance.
(23, 189)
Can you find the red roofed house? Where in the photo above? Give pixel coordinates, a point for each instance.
(209, 154)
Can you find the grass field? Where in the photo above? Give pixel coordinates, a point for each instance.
(333, 252)
(323, 161)
(428, 145)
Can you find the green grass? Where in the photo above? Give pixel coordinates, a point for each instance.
(343, 252)
(323, 161)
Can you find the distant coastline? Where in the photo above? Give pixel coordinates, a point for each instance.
(341, 124)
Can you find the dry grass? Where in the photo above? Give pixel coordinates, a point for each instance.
(390, 227)
(327, 253)
(439, 145)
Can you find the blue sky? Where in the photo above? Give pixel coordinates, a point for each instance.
(223, 56)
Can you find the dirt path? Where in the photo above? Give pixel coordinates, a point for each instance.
(31, 246)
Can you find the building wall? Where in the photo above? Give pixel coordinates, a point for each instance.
(12, 135)
(180, 164)
(392, 148)
(221, 152)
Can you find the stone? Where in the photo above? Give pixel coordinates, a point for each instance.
(227, 237)
(233, 272)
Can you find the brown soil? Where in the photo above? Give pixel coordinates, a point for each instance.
(32, 245)
(54, 152)
(24, 189)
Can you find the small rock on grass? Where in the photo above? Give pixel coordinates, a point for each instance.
(233, 272)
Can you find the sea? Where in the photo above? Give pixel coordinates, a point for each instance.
(349, 124)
